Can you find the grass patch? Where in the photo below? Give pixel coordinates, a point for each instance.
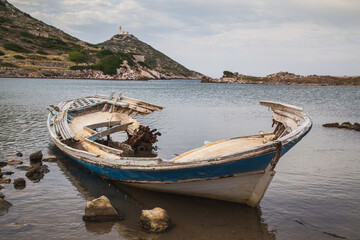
(151, 63)
(16, 48)
(5, 20)
(27, 34)
(19, 57)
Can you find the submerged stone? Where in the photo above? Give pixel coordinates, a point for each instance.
(2, 196)
(155, 220)
(4, 206)
(101, 210)
(35, 173)
(3, 164)
(14, 162)
(50, 159)
(19, 154)
(36, 156)
(19, 183)
(331, 125)
(5, 180)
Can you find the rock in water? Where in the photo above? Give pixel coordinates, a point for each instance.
(14, 162)
(50, 159)
(4, 206)
(2, 196)
(331, 125)
(19, 154)
(1, 187)
(3, 164)
(5, 180)
(19, 183)
(35, 173)
(100, 210)
(36, 156)
(346, 125)
(155, 220)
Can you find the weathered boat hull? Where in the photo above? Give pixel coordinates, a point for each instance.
(241, 176)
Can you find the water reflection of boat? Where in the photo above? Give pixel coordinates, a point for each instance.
(194, 217)
(237, 170)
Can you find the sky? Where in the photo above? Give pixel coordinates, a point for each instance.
(252, 37)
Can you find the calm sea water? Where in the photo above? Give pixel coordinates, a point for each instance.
(314, 195)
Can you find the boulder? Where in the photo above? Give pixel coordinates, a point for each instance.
(1, 187)
(3, 164)
(2, 196)
(100, 210)
(14, 162)
(331, 125)
(35, 164)
(19, 183)
(36, 156)
(5, 180)
(50, 159)
(19, 154)
(8, 173)
(35, 174)
(155, 220)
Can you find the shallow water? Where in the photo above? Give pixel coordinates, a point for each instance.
(315, 193)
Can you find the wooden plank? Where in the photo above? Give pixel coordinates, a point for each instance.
(106, 104)
(109, 131)
(105, 148)
(103, 124)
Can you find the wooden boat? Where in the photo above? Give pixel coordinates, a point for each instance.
(238, 170)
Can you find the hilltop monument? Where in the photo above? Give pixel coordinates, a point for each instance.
(121, 32)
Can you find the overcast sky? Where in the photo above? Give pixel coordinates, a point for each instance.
(255, 37)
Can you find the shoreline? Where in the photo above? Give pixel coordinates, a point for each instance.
(285, 78)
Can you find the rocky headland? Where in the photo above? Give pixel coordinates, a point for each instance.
(30, 48)
(285, 78)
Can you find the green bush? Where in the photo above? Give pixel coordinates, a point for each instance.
(2, 53)
(228, 74)
(41, 52)
(103, 53)
(151, 63)
(16, 48)
(77, 57)
(27, 34)
(6, 64)
(80, 67)
(19, 57)
(108, 64)
(53, 43)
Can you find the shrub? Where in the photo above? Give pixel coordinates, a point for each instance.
(6, 64)
(77, 57)
(2, 53)
(108, 64)
(27, 34)
(80, 67)
(41, 52)
(19, 57)
(103, 53)
(228, 74)
(53, 43)
(16, 48)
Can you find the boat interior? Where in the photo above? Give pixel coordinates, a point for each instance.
(87, 124)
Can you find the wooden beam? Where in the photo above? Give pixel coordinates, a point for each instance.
(109, 131)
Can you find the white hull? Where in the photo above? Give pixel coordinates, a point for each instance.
(248, 188)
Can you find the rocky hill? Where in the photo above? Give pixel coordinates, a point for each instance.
(32, 48)
(285, 78)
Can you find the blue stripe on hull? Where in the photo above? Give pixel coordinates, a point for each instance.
(217, 170)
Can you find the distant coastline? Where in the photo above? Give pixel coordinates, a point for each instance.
(285, 78)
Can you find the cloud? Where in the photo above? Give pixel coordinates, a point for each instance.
(254, 37)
